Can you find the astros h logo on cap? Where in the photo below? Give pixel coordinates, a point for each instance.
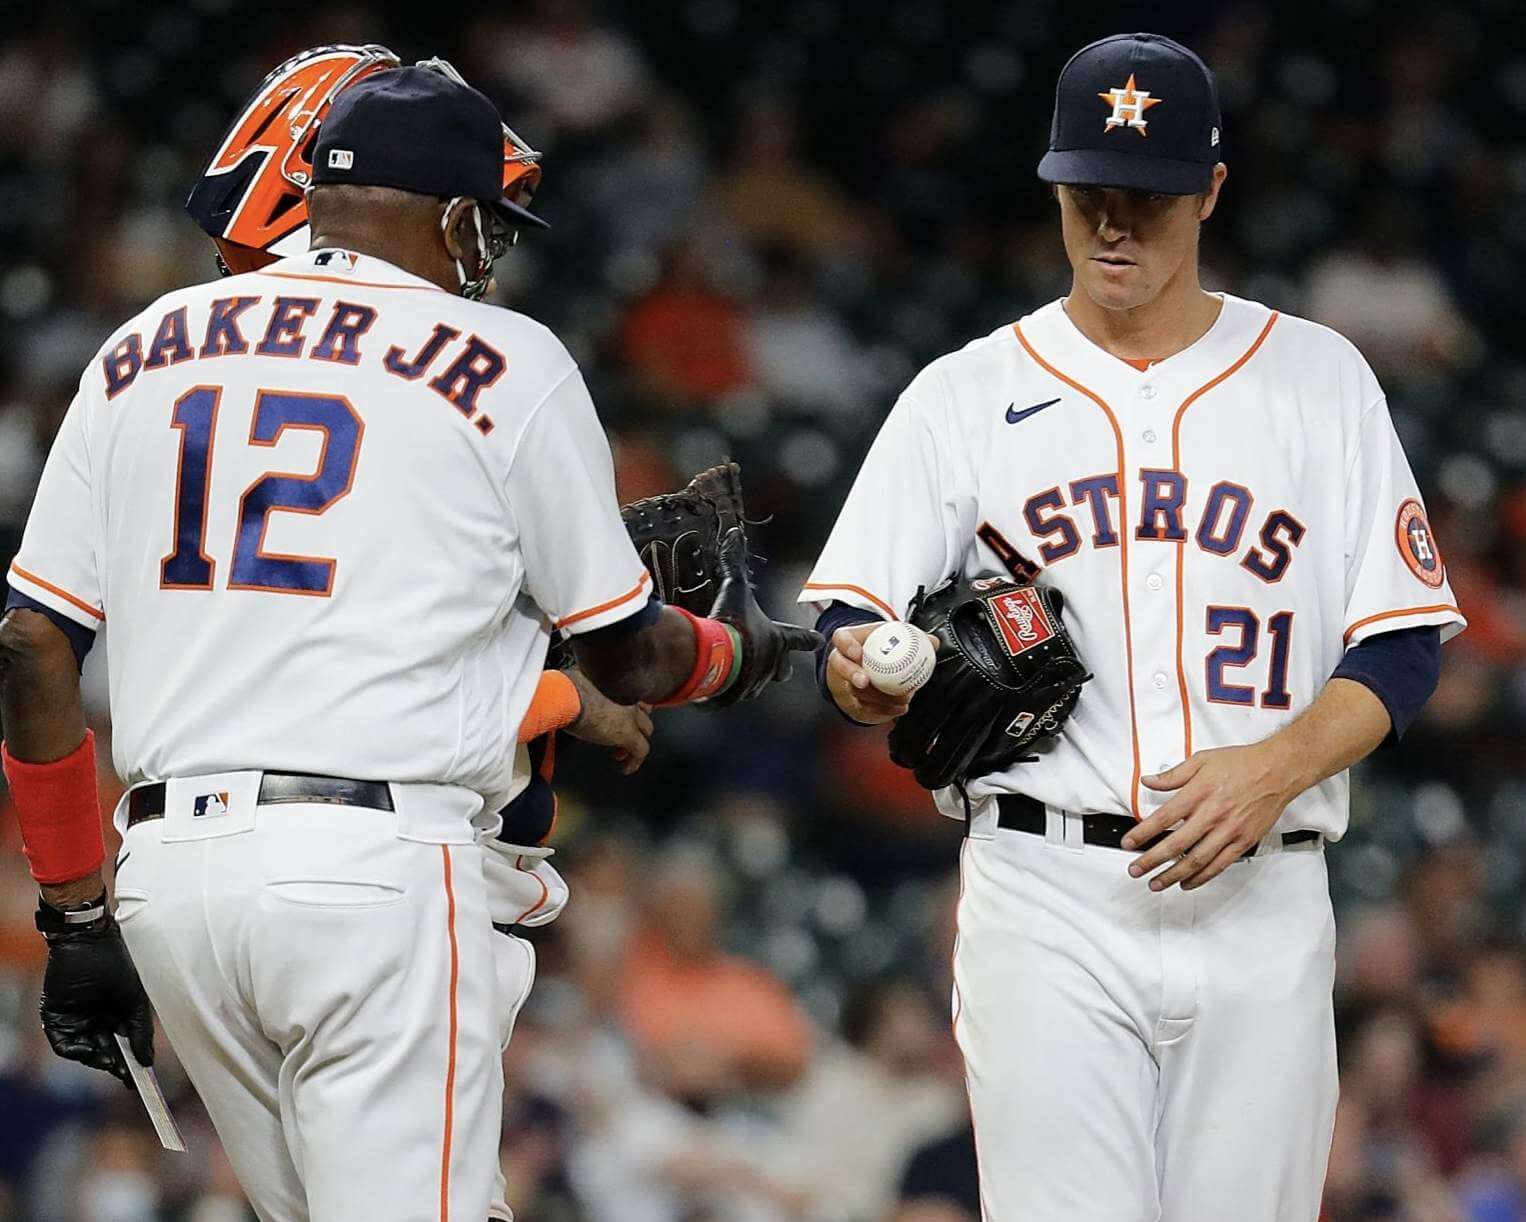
(1129, 103)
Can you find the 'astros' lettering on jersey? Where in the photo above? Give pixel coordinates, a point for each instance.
(1223, 524)
(328, 514)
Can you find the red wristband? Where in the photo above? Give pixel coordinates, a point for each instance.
(59, 808)
(715, 657)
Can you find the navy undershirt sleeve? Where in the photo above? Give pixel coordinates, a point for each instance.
(837, 615)
(80, 637)
(629, 626)
(1401, 668)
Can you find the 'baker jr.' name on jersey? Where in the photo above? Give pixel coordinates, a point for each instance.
(282, 324)
(1220, 529)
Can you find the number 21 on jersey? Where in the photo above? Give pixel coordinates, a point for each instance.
(1221, 620)
(188, 566)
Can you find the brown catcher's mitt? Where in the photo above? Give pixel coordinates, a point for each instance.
(678, 536)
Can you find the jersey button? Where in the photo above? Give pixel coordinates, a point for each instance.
(1147, 392)
(1155, 581)
(1149, 436)
(1160, 679)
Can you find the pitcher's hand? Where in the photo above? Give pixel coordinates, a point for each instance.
(850, 685)
(1226, 799)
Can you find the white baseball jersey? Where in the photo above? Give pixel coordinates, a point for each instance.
(1223, 525)
(306, 502)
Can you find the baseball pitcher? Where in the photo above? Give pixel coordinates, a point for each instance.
(1201, 504)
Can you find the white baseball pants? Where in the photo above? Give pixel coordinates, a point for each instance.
(331, 988)
(1143, 1057)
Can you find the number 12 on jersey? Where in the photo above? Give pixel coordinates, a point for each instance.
(188, 566)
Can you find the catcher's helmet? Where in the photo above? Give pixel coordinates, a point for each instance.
(249, 199)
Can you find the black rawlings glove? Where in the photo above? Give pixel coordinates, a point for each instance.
(678, 536)
(91, 990)
(766, 644)
(1007, 676)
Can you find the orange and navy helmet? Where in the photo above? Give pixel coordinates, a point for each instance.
(250, 198)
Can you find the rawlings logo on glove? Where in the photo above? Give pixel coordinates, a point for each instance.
(1007, 677)
(1020, 619)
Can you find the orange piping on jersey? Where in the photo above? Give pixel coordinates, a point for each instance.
(1181, 561)
(365, 284)
(1372, 619)
(60, 591)
(613, 602)
(450, 1062)
(1141, 363)
(545, 893)
(1123, 550)
(859, 590)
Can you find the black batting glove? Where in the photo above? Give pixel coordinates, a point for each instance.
(91, 991)
(766, 644)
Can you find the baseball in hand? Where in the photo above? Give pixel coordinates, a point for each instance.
(898, 658)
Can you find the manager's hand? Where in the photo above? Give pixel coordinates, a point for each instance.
(90, 992)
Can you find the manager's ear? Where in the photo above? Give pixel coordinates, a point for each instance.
(459, 230)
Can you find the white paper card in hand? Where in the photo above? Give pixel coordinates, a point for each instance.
(147, 1082)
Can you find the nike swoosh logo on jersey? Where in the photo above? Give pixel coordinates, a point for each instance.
(1014, 417)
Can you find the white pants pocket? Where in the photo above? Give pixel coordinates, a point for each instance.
(334, 892)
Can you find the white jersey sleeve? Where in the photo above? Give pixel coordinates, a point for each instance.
(910, 514)
(58, 564)
(1395, 576)
(580, 566)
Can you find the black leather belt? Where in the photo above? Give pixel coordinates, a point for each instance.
(1020, 813)
(276, 789)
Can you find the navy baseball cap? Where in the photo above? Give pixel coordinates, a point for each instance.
(1135, 110)
(418, 130)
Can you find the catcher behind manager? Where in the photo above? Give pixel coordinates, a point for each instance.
(1205, 500)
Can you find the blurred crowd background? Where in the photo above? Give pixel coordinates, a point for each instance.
(766, 218)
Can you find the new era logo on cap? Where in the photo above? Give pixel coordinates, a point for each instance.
(341, 159)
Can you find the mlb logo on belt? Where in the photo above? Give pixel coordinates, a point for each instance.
(208, 805)
(1021, 620)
